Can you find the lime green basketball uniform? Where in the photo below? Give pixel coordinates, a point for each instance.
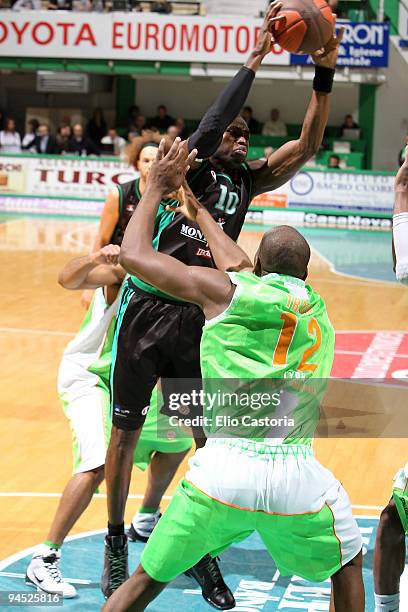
(275, 330)
(83, 387)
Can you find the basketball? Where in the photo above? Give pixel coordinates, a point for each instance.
(308, 25)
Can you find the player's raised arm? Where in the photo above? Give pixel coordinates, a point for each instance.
(207, 138)
(210, 289)
(282, 164)
(400, 223)
(99, 269)
(228, 256)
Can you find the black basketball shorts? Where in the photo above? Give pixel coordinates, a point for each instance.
(154, 338)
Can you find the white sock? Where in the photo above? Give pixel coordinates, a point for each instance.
(387, 603)
(145, 517)
(43, 550)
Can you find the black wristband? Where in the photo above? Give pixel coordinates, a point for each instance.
(323, 79)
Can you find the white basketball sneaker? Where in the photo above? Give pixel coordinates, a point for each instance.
(44, 573)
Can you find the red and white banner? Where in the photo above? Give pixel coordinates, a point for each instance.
(78, 177)
(131, 36)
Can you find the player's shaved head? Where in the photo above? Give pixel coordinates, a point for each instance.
(283, 250)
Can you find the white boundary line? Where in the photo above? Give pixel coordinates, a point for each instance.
(371, 331)
(50, 495)
(48, 332)
(390, 284)
(76, 242)
(42, 332)
(12, 221)
(42, 495)
(4, 563)
(30, 330)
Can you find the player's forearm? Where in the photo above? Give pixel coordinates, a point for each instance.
(254, 61)
(137, 253)
(228, 256)
(75, 272)
(314, 124)
(207, 137)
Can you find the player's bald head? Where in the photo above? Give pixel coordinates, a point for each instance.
(283, 250)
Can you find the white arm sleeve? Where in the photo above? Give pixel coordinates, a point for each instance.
(400, 234)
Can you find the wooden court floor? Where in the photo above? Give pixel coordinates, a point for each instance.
(38, 318)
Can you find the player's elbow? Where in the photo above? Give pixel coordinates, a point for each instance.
(307, 149)
(129, 260)
(65, 281)
(61, 281)
(240, 265)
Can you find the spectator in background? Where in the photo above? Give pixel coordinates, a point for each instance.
(334, 162)
(113, 139)
(253, 125)
(162, 121)
(80, 144)
(30, 5)
(133, 113)
(83, 5)
(184, 133)
(10, 139)
(161, 6)
(45, 143)
(64, 134)
(172, 132)
(97, 127)
(61, 5)
(139, 124)
(401, 156)
(275, 126)
(348, 124)
(27, 144)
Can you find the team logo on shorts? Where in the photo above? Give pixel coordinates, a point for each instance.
(119, 411)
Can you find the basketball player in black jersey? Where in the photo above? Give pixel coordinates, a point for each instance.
(158, 336)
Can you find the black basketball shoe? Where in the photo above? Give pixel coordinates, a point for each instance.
(207, 573)
(115, 568)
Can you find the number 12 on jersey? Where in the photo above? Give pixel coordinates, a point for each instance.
(290, 321)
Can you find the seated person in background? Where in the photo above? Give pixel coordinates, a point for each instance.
(80, 144)
(26, 4)
(161, 6)
(334, 162)
(184, 133)
(275, 126)
(402, 153)
(172, 132)
(27, 144)
(97, 127)
(113, 139)
(61, 5)
(252, 123)
(64, 134)
(133, 113)
(10, 139)
(162, 121)
(43, 142)
(138, 125)
(348, 124)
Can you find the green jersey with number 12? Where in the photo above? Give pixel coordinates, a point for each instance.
(274, 340)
